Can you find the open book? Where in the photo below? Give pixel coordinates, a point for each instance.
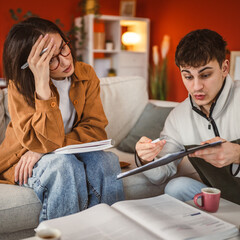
(85, 147)
(166, 159)
(161, 217)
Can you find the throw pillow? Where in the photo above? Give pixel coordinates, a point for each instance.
(149, 124)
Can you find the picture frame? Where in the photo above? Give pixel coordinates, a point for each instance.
(128, 8)
(235, 65)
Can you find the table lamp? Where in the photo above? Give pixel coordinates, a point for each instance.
(129, 39)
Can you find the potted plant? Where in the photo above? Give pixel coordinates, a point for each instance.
(111, 72)
(89, 7)
(158, 71)
(86, 7)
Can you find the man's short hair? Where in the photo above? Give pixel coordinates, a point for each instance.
(199, 47)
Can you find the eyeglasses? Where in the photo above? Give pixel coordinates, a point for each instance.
(55, 61)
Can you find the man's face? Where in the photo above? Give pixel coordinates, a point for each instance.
(203, 83)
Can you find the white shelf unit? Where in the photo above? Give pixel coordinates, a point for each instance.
(125, 62)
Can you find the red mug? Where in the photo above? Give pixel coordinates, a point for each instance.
(210, 199)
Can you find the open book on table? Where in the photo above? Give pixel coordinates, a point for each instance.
(85, 147)
(167, 159)
(161, 217)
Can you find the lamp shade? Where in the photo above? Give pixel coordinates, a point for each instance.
(130, 38)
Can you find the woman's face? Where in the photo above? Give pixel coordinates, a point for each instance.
(61, 65)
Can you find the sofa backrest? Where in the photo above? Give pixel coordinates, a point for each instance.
(4, 114)
(123, 99)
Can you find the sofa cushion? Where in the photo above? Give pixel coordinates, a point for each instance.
(19, 208)
(4, 114)
(149, 124)
(123, 99)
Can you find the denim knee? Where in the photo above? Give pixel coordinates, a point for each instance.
(60, 183)
(110, 163)
(183, 188)
(101, 170)
(57, 166)
(61, 162)
(105, 162)
(174, 186)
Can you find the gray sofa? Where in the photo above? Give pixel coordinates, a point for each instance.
(124, 99)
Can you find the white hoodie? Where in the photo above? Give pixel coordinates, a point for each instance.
(184, 127)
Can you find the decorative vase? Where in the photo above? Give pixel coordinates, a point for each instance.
(109, 46)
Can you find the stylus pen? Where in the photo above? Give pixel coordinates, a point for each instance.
(158, 139)
(25, 65)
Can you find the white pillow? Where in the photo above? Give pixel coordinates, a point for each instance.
(123, 99)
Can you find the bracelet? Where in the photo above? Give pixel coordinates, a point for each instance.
(138, 160)
(236, 172)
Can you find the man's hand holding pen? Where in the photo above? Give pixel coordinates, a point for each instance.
(147, 149)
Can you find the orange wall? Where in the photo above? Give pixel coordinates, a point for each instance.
(177, 18)
(172, 17)
(65, 10)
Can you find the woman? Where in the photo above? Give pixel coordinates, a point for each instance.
(53, 103)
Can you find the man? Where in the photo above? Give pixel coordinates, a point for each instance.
(210, 113)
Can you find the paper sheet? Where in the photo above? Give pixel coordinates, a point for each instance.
(85, 147)
(172, 219)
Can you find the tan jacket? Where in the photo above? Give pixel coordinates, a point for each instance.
(41, 129)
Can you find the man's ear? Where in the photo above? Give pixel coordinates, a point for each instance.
(225, 67)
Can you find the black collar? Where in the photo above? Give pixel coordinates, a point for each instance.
(212, 106)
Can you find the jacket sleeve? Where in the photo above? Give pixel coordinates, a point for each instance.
(161, 174)
(40, 128)
(90, 126)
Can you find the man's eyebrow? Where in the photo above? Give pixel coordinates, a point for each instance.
(184, 70)
(187, 71)
(204, 69)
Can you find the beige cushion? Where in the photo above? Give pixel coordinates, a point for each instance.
(4, 114)
(19, 208)
(123, 99)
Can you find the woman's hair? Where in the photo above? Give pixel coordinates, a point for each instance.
(17, 47)
(199, 47)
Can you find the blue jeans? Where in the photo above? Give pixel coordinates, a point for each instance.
(66, 184)
(183, 188)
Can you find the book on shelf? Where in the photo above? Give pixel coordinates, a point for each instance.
(167, 159)
(161, 217)
(85, 147)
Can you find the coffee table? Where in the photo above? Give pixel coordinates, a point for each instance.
(228, 211)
